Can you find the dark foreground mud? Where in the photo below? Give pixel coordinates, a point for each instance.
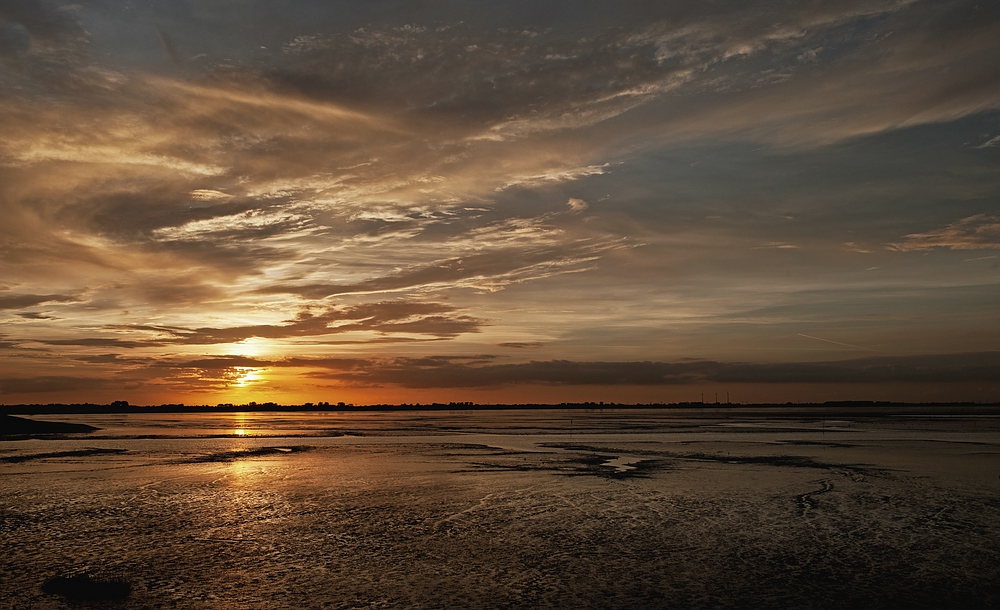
(878, 516)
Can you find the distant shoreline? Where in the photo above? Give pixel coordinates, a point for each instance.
(860, 408)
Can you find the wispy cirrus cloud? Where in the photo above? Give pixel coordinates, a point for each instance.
(979, 232)
(487, 272)
(386, 317)
(483, 371)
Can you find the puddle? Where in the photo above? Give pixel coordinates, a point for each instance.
(622, 464)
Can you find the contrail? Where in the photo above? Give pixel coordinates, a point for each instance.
(837, 342)
(168, 46)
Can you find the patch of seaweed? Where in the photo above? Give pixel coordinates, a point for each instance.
(587, 465)
(787, 461)
(242, 454)
(598, 465)
(84, 587)
(804, 443)
(61, 454)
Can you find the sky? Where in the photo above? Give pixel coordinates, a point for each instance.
(413, 201)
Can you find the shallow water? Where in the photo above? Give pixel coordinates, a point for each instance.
(508, 509)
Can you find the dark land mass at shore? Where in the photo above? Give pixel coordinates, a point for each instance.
(858, 408)
(14, 426)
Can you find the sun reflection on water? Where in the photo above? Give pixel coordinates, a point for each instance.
(243, 471)
(241, 425)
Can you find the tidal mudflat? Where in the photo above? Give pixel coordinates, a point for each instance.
(508, 509)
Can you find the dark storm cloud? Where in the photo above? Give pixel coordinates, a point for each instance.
(449, 372)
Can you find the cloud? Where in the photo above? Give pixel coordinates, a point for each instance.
(45, 22)
(390, 321)
(553, 176)
(805, 105)
(217, 363)
(490, 78)
(34, 315)
(111, 359)
(209, 195)
(776, 245)
(994, 141)
(488, 272)
(100, 342)
(510, 83)
(43, 48)
(14, 40)
(20, 301)
(851, 246)
(386, 317)
(52, 383)
(979, 232)
(247, 225)
(169, 48)
(447, 372)
(521, 344)
(214, 373)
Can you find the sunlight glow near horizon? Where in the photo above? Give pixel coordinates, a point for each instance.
(247, 376)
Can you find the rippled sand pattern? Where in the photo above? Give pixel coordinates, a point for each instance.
(510, 510)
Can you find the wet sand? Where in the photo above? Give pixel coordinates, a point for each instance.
(503, 509)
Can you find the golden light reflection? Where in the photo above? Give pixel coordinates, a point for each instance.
(242, 470)
(240, 427)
